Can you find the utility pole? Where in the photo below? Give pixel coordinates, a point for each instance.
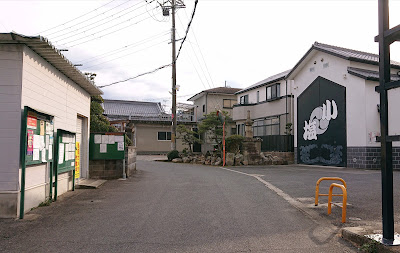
(174, 121)
(174, 5)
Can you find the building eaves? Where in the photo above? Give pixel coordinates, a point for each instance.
(48, 52)
(368, 74)
(344, 53)
(215, 91)
(269, 80)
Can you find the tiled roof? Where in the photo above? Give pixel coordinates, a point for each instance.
(368, 74)
(266, 81)
(351, 54)
(344, 53)
(131, 108)
(218, 90)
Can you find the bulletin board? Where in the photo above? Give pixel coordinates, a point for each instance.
(65, 151)
(107, 146)
(38, 130)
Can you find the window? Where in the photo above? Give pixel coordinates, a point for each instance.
(229, 103)
(164, 136)
(240, 129)
(204, 108)
(244, 99)
(258, 96)
(273, 91)
(268, 126)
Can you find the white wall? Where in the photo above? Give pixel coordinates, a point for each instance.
(10, 115)
(45, 89)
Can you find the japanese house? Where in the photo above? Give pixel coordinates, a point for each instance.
(336, 117)
(270, 103)
(149, 123)
(212, 100)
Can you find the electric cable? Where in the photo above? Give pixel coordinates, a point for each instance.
(103, 35)
(118, 50)
(102, 30)
(79, 16)
(91, 66)
(201, 53)
(143, 74)
(93, 23)
(187, 29)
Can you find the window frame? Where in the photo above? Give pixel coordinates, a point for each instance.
(273, 92)
(167, 135)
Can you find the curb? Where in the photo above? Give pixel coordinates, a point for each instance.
(356, 236)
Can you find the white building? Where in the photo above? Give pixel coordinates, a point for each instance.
(270, 103)
(33, 73)
(336, 108)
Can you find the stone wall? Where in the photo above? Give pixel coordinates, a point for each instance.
(130, 161)
(286, 156)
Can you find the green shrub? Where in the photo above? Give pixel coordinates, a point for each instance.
(172, 155)
(233, 143)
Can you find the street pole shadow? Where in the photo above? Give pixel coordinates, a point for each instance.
(321, 235)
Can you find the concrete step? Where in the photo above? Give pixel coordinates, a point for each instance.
(90, 183)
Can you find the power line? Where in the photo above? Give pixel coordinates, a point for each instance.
(131, 78)
(201, 53)
(79, 16)
(93, 23)
(187, 29)
(100, 36)
(118, 50)
(91, 66)
(102, 30)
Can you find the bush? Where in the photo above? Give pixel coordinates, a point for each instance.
(172, 155)
(233, 143)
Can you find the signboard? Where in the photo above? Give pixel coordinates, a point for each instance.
(39, 132)
(107, 146)
(77, 160)
(65, 148)
(321, 124)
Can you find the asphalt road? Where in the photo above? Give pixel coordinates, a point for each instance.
(180, 208)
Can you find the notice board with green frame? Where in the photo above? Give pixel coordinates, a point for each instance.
(65, 151)
(107, 146)
(64, 156)
(38, 129)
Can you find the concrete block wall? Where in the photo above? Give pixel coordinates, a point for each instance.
(105, 169)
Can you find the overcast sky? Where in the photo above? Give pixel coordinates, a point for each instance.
(232, 41)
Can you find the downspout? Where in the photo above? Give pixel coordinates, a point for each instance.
(286, 104)
(206, 103)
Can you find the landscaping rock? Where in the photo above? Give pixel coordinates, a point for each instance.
(238, 159)
(229, 159)
(187, 159)
(177, 160)
(218, 161)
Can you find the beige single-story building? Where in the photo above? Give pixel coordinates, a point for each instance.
(150, 125)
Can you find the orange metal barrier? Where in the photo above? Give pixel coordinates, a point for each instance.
(344, 200)
(327, 178)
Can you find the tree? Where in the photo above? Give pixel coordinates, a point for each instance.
(187, 136)
(212, 126)
(98, 122)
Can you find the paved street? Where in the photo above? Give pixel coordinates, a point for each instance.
(185, 208)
